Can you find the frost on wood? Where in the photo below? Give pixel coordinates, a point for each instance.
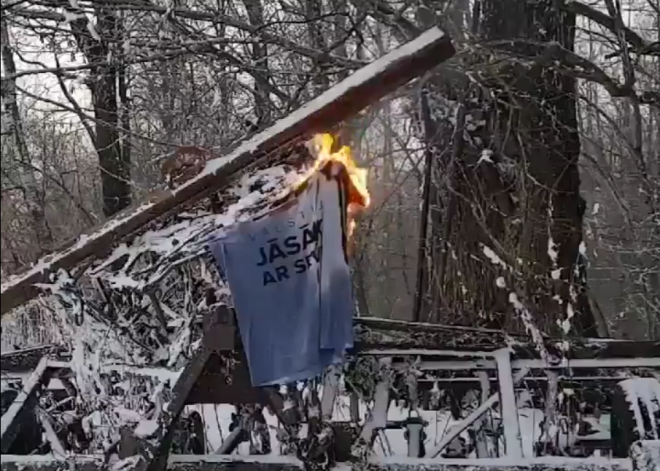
(99, 406)
(143, 305)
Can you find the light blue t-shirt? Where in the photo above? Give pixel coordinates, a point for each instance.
(291, 285)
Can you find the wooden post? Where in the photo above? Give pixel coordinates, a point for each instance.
(23, 404)
(512, 437)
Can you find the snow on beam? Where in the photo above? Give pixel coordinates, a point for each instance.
(337, 104)
(510, 420)
(385, 336)
(282, 463)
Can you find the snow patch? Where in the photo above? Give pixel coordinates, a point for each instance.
(146, 428)
(493, 257)
(486, 156)
(646, 392)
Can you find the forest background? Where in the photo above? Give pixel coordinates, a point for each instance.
(541, 139)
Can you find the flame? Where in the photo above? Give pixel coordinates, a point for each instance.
(358, 195)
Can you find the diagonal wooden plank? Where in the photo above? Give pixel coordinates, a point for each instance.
(340, 102)
(23, 404)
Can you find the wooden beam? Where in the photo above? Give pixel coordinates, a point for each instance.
(337, 104)
(49, 431)
(23, 404)
(510, 421)
(373, 334)
(27, 359)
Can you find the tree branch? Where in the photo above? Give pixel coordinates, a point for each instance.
(572, 64)
(639, 44)
(214, 17)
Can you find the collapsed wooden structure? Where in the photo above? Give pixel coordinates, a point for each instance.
(386, 345)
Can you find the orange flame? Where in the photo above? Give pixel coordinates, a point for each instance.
(358, 195)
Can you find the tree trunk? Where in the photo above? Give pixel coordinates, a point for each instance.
(34, 194)
(262, 102)
(115, 164)
(313, 11)
(123, 80)
(514, 244)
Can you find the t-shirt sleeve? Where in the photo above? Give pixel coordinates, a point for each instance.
(216, 247)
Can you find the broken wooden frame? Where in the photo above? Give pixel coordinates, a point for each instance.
(24, 403)
(196, 385)
(499, 360)
(342, 101)
(510, 372)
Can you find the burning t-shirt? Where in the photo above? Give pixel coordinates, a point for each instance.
(290, 281)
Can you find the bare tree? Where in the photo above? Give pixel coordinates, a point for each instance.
(547, 105)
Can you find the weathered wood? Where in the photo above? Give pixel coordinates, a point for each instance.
(49, 434)
(224, 377)
(340, 102)
(384, 333)
(374, 333)
(23, 404)
(27, 359)
(509, 410)
(180, 393)
(377, 418)
(330, 391)
(283, 463)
